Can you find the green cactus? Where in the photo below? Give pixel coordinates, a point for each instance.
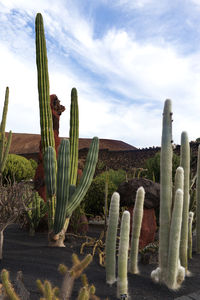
(165, 187)
(198, 204)
(46, 123)
(36, 211)
(74, 136)
(174, 242)
(111, 238)
(185, 163)
(122, 281)
(9, 290)
(4, 143)
(136, 227)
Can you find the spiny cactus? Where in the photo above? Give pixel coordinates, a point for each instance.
(136, 227)
(111, 238)
(122, 280)
(185, 163)
(46, 124)
(190, 220)
(4, 143)
(198, 204)
(8, 288)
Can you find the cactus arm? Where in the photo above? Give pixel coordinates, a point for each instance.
(185, 163)
(74, 136)
(191, 216)
(9, 290)
(111, 238)
(136, 228)
(166, 187)
(86, 178)
(6, 151)
(122, 281)
(62, 194)
(174, 241)
(198, 204)
(50, 166)
(46, 124)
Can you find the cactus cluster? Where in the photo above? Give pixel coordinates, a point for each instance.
(173, 230)
(60, 174)
(4, 142)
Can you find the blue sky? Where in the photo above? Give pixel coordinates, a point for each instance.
(124, 57)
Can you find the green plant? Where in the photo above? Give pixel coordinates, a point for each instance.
(136, 227)
(18, 168)
(95, 197)
(62, 193)
(152, 167)
(111, 238)
(122, 280)
(4, 142)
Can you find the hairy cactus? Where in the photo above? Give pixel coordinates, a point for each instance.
(190, 220)
(46, 123)
(122, 280)
(198, 205)
(185, 163)
(4, 143)
(136, 227)
(165, 187)
(111, 239)
(174, 242)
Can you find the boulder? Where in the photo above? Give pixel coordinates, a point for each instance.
(127, 191)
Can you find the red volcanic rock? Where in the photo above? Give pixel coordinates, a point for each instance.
(56, 109)
(148, 229)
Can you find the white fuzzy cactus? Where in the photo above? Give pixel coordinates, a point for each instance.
(136, 228)
(122, 280)
(111, 239)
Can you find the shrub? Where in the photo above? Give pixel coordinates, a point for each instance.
(153, 167)
(95, 197)
(18, 168)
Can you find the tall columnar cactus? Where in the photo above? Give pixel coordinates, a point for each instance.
(111, 239)
(165, 187)
(198, 205)
(46, 124)
(4, 143)
(136, 227)
(190, 220)
(178, 180)
(185, 163)
(122, 280)
(174, 269)
(74, 136)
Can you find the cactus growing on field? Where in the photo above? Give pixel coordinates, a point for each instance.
(46, 124)
(191, 216)
(136, 227)
(198, 204)
(173, 268)
(185, 163)
(62, 194)
(111, 239)
(122, 280)
(170, 270)
(4, 143)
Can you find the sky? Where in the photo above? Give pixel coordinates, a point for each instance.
(124, 57)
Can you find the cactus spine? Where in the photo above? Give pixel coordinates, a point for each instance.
(111, 239)
(46, 124)
(166, 187)
(136, 227)
(198, 205)
(122, 281)
(174, 242)
(185, 163)
(4, 143)
(74, 136)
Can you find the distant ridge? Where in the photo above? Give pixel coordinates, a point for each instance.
(24, 143)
